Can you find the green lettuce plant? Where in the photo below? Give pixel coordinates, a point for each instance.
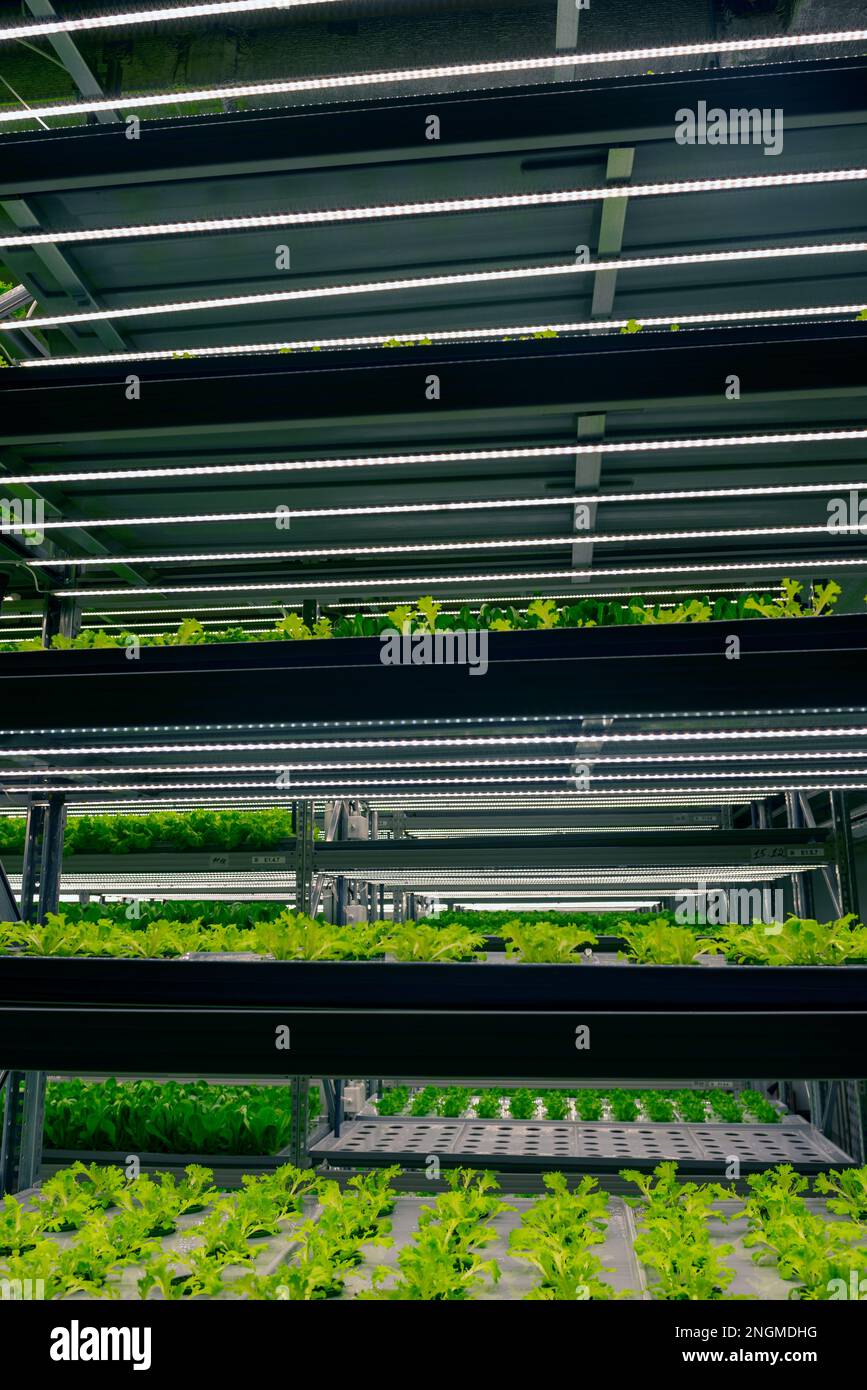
(556, 1235)
(545, 942)
(658, 943)
(410, 941)
(797, 941)
(847, 1192)
(445, 1261)
(674, 1240)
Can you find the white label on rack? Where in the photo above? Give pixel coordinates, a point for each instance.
(219, 861)
(787, 852)
(269, 858)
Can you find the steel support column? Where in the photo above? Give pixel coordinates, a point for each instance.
(849, 1093)
(300, 1103)
(303, 855)
(33, 1109)
(32, 861)
(52, 855)
(802, 888)
(9, 1132)
(844, 852)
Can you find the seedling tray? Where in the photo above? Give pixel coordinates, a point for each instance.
(567, 1146)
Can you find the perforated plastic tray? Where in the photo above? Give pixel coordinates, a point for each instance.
(549, 1144)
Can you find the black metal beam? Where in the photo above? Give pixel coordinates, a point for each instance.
(488, 1042)
(591, 111)
(672, 670)
(211, 396)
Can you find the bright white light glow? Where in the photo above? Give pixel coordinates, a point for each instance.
(829, 778)
(856, 731)
(156, 14)
(453, 335)
(641, 446)
(595, 760)
(428, 581)
(425, 282)
(424, 74)
(383, 211)
(399, 548)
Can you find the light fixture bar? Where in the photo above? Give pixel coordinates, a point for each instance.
(429, 581)
(268, 614)
(427, 282)
(376, 765)
(430, 73)
(430, 547)
(464, 741)
(387, 211)
(147, 14)
(453, 335)
(802, 780)
(459, 456)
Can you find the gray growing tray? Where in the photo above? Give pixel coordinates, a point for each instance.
(573, 1146)
(517, 1277)
(620, 1265)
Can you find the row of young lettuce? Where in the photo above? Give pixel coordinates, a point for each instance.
(211, 1118)
(162, 830)
(293, 936)
(426, 615)
(95, 1232)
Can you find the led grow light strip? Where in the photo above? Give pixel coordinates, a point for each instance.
(271, 612)
(388, 804)
(440, 71)
(432, 547)
(426, 282)
(642, 446)
(146, 15)
(385, 211)
(595, 760)
(417, 508)
(361, 788)
(145, 805)
(450, 335)
(463, 741)
(435, 744)
(429, 581)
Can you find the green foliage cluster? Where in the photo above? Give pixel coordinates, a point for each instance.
(158, 939)
(545, 941)
(169, 1117)
(674, 1238)
(797, 941)
(115, 1228)
(445, 1260)
(135, 913)
(490, 922)
(177, 830)
(295, 936)
(427, 616)
(288, 936)
(330, 1247)
(625, 1106)
(806, 1248)
(556, 1237)
(657, 942)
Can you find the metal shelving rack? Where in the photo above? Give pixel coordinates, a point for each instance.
(786, 720)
